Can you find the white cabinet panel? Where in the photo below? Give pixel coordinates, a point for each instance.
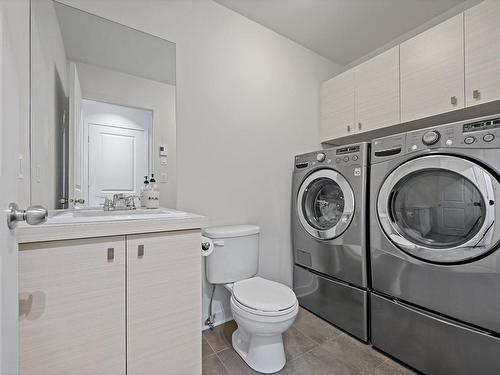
(377, 91)
(72, 307)
(164, 303)
(337, 107)
(432, 71)
(482, 53)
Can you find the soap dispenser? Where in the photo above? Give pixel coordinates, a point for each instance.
(144, 192)
(153, 195)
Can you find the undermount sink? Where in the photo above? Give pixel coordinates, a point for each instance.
(93, 215)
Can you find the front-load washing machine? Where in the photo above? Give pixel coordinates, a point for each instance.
(329, 235)
(434, 247)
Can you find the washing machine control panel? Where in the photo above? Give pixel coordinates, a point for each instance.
(483, 133)
(476, 134)
(343, 156)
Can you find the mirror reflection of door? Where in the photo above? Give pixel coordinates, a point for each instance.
(438, 208)
(117, 150)
(61, 145)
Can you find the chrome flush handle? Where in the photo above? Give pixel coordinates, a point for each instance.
(33, 215)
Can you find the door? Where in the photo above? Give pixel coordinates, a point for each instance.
(440, 209)
(71, 299)
(337, 107)
(164, 303)
(118, 149)
(14, 170)
(377, 91)
(325, 204)
(482, 55)
(432, 71)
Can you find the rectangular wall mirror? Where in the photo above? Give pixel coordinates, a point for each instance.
(102, 109)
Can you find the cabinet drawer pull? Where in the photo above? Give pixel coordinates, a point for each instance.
(140, 251)
(111, 254)
(453, 100)
(476, 94)
(359, 126)
(348, 128)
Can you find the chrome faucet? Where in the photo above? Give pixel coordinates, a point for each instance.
(120, 201)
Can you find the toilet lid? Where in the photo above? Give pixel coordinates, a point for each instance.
(264, 295)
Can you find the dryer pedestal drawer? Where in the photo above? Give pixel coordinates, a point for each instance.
(339, 303)
(429, 343)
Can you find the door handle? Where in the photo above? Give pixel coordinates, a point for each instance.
(33, 215)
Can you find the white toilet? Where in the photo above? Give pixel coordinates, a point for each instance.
(263, 309)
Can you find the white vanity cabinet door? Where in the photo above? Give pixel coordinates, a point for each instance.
(432, 71)
(377, 91)
(337, 107)
(482, 53)
(164, 303)
(72, 307)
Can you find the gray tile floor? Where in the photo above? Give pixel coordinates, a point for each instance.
(312, 346)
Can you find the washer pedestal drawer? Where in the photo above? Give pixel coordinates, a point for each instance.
(430, 343)
(339, 303)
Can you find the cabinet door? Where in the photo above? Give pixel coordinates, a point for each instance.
(432, 71)
(377, 91)
(482, 53)
(337, 107)
(164, 303)
(72, 307)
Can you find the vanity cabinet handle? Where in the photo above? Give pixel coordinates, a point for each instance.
(476, 94)
(348, 128)
(453, 100)
(111, 254)
(140, 251)
(359, 126)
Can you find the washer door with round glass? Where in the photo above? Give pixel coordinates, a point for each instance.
(325, 204)
(440, 209)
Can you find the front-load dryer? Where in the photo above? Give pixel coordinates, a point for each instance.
(434, 239)
(329, 235)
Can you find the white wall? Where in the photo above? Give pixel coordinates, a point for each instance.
(119, 88)
(247, 102)
(48, 61)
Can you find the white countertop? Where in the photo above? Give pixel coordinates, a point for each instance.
(59, 230)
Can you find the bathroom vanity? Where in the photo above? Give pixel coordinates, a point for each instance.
(115, 296)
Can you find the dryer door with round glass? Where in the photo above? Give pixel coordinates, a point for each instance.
(325, 204)
(440, 209)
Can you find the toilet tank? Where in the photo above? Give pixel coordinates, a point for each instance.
(236, 253)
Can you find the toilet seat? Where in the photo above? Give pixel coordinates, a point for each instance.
(263, 297)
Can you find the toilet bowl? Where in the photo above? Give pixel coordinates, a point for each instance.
(263, 309)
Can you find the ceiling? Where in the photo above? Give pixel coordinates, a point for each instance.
(94, 40)
(342, 30)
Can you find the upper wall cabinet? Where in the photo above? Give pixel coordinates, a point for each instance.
(337, 107)
(376, 83)
(432, 71)
(482, 53)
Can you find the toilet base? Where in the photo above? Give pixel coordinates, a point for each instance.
(263, 353)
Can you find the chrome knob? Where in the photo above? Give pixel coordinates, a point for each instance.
(321, 157)
(431, 137)
(33, 215)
